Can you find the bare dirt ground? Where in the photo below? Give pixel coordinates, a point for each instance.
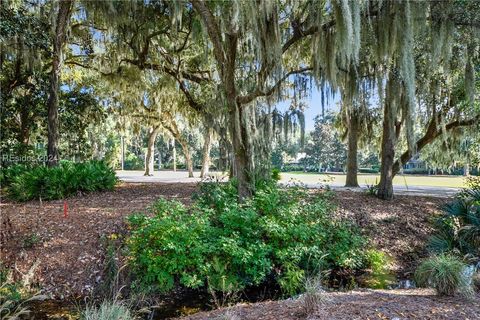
(356, 305)
(65, 256)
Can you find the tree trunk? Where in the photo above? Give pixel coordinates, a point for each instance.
(24, 134)
(224, 151)
(206, 153)
(222, 157)
(385, 187)
(466, 169)
(152, 135)
(352, 161)
(174, 151)
(188, 156)
(63, 17)
(430, 135)
(243, 166)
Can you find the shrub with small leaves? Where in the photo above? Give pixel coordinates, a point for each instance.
(379, 274)
(279, 234)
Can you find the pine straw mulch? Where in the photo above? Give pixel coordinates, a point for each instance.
(357, 304)
(400, 227)
(65, 256)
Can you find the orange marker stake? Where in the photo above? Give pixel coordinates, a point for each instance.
(65, 209)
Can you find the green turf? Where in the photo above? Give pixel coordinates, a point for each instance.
(364, 179)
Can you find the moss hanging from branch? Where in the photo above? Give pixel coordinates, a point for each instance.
(469, 78)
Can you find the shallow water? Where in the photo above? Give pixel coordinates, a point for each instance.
(180, 303)
(52, 309)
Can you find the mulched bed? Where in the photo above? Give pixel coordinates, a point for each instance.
(65, 256)
(400, 227)
(358, 304)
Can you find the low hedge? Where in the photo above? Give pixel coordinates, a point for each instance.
(49, 183)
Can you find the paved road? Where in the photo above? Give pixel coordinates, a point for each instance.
(182, 177)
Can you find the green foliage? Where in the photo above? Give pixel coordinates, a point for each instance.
(9, 173)
(62, 181)
(472, 183)
(133, 162)
(325, 148)
(372, 189)
(30, 240)
(458, 230)
(380, 276)
(276, 174)
(368, 170)
(107, 311)
(279, 234)
(12, 297)
(444, 273)
(293, 167)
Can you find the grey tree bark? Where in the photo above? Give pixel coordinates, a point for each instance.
(61, 24)
(206, 153)
(174, 155)
(152, 136)
(352, 153)
(187, 154)
(385, 187)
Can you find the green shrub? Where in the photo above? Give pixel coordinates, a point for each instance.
(62, 181)
(13, 297)
(472, 183)
(416, 171)
(276, 174)
(293, 167)
(444, 273)
(279, 234)
(458, 230)
(380, 275)
(7, 174)
(372, 189)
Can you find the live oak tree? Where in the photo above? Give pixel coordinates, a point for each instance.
(397, 30)
(24, 79)
(324, 149)
(63, 9)
(232, 61)
(356, 121)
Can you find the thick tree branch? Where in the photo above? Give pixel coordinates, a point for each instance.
(265, 93)
(213, 32)
(430, 135)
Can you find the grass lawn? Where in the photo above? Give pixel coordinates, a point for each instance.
(365, 178)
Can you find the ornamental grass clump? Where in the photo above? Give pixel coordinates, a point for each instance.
(446, 274)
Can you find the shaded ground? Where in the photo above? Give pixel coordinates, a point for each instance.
(399, 228)
(364, 304)
(65, 256)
